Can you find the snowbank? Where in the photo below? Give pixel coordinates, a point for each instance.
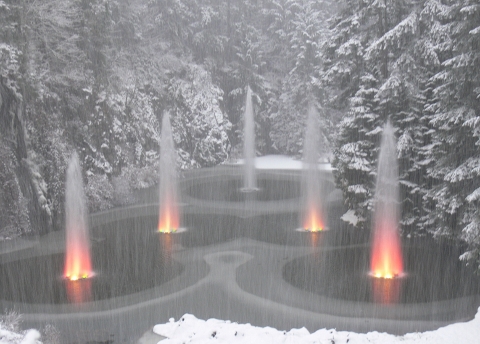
(350, 217)
(192, 330)
(9, 337)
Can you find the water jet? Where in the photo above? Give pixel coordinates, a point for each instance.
(169, 214)
(386, 260)
(78, 264)
(313, 216)
(250, 182)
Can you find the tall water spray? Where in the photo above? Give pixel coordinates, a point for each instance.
(250, 183)
(313, 215)
(78, 262)
(169, 216)
(386, 259)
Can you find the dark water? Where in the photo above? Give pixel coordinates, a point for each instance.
(278, 229)
(128, 257)
(229, 190)
(434, 273)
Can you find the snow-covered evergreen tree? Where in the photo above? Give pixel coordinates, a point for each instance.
(96, 76)
(357, 150)
(301, 25)
(379, 40)
(200, 128)
(455, 121)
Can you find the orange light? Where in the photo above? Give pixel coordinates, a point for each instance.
(313, 221)
(168, 221)
(386, 256)
(385, 275)
(77, 256)
(79, 291)
(166, 244)
(316, 239)
(386, 291)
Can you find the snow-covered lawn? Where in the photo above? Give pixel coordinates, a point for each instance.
(189, 329)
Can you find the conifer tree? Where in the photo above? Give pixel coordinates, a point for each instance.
(454, 118)
(379, 39)
(300, 87)
(356, 151)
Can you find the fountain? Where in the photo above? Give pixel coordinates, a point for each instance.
(169, 216)
(250, 183)
(285, 280)
(313, 217)
(386, 292)
(233, 266)
(386, 259)
(78, 263)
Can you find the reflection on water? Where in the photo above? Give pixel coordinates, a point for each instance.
(386, 291)
(79, 291)
(166, 246)
(127, 257)
(315, 239)
(341, 273)
(229, 189)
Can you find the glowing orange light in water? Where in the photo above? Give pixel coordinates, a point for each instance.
(166, 246)
(79, 291)
(386, 291)
(386, 256)
(313, 221)
(316, 239)
(168, 220)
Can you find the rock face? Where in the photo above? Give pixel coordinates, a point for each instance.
(23, 206)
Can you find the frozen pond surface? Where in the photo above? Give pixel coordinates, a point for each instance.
(238, 260)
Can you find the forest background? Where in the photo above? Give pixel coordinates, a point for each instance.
(96, 76)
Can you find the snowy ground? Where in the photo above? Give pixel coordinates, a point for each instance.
(189, 329)
(10, 337)
(281, 162)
